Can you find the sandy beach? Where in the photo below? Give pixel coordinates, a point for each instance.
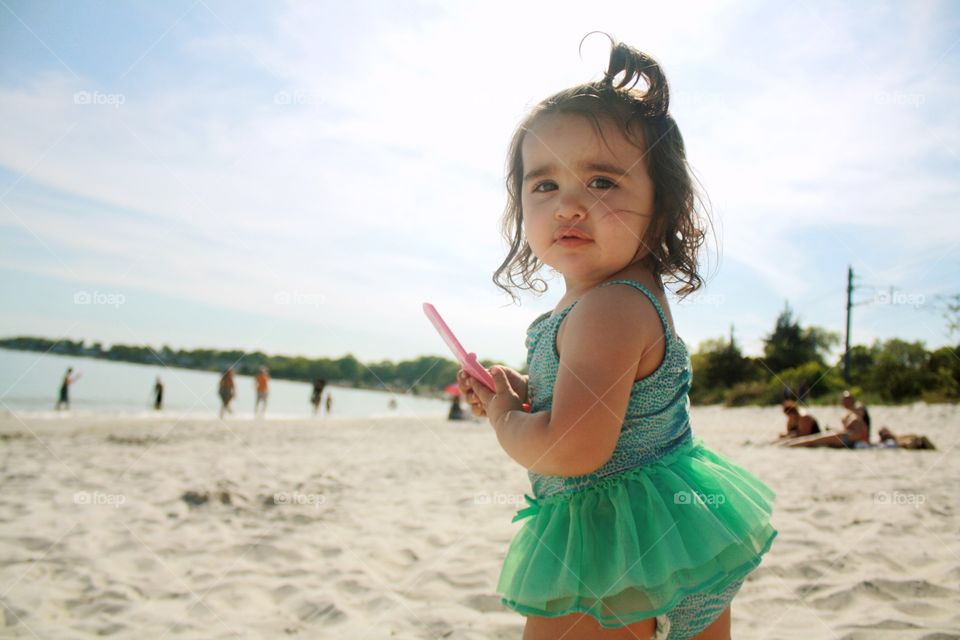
(395, 528)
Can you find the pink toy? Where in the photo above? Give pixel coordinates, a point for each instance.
(467, 360)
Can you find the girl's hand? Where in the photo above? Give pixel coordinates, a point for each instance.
(497, 404)
(466, 382)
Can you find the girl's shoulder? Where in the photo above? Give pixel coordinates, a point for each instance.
(614, 311)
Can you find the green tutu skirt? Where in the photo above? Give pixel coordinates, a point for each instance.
(632, 546)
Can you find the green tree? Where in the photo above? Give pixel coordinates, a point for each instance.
(348, 368)
(944, 364)
(952, 313)
(861, 362)
(718, 365)
(791, 345)
(901, 371)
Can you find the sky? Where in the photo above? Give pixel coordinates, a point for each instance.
(298, 178)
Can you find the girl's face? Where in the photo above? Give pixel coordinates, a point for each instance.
(587, 200)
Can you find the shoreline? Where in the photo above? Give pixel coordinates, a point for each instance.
(340, 384)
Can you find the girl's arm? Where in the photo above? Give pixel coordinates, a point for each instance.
(603, 341)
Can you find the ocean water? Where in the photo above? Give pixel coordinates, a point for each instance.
(30, 382)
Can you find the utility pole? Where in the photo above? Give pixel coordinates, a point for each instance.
(846, 352)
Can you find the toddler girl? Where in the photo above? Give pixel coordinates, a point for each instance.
(635, 529)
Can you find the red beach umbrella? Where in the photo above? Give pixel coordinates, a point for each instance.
(452, 389)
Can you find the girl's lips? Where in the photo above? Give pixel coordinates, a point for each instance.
(571, 237)
(570, 232)
(571, 241)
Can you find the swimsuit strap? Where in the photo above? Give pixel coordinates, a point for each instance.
(653, 299)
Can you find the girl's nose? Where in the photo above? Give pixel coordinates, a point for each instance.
(571, 207)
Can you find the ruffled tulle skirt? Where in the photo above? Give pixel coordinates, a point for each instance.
(632, 546)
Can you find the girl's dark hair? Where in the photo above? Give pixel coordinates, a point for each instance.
(677, 229)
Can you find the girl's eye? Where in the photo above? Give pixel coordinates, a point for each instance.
(545, 186)
(602, 183)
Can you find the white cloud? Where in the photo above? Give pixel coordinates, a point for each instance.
(364, 155)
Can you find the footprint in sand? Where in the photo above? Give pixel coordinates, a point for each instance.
(326, 612)
(484, 603)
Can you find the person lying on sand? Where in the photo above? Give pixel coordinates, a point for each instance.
(798, 424)
(855, 434)
(908, 441)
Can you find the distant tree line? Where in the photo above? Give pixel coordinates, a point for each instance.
(422, 375)
(795, 363)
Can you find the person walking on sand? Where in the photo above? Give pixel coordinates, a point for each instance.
(227, 391)
(158, 394)
(262, 383)
(63, 402)
(317, 393)
(635, 529)
(329, 402)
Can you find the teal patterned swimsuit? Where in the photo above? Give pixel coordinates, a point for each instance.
(656, 421)
(666, 528)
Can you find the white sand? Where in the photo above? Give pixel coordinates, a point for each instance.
(396, 529)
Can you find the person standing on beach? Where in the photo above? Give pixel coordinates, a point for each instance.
(635, 528)
(226, 391)
(329, 402)
(64, 399)
(456, 411)
(262, 383)
(317, 394)
(158, 394)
